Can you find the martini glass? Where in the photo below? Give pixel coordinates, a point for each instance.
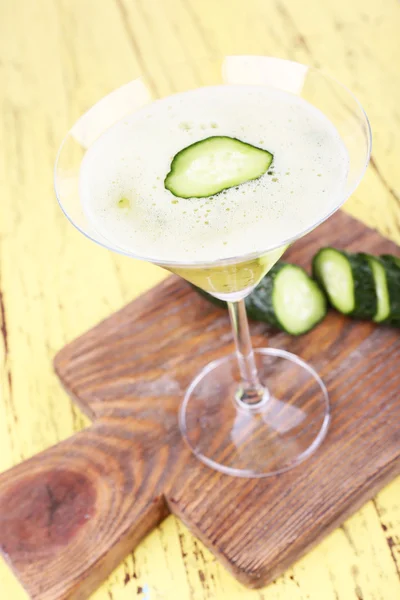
(251, 413)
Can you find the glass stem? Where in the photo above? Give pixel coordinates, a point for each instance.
(251, 391)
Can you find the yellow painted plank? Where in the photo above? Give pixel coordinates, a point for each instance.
(57, 57)
(10, 587)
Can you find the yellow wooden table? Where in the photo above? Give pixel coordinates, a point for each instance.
(57, 57)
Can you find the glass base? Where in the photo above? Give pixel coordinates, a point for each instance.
(260, 440)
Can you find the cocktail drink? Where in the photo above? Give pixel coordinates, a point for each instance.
(213, 183)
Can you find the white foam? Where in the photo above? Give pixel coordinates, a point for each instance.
(132, 158)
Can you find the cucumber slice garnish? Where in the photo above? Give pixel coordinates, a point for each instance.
(286, 298)
(347, 280)
(215, 164)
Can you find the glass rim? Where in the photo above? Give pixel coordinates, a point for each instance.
(231, 259)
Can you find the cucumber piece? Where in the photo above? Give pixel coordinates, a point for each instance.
(215, 164)
(289, 299)
(347, 280)
(382, 292)
(392, 272)
(286, 298)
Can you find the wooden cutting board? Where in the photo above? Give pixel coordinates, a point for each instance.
(69, 515)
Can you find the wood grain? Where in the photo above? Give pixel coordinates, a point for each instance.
(57, 58)
(71, 514)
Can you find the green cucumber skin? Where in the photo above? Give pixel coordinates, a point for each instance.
(392, 270)
(259, 304)
(175, 164)
(365, 302)
(364, 287)
(395, 260)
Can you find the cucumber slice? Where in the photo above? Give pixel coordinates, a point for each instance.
(215, 164)
(286, 298)
(289, 299)
(382, 292)
(347, 280)
(392, 272)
